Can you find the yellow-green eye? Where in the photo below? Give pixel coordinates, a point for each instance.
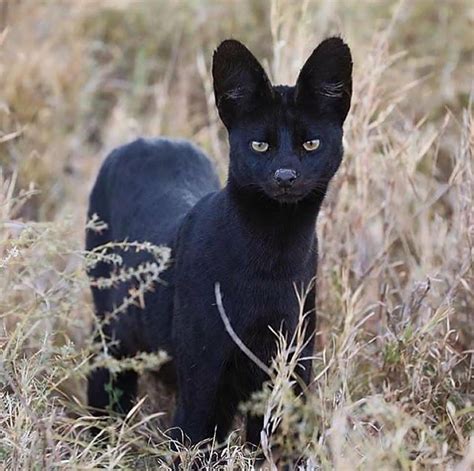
(260, 146)
(311, 145)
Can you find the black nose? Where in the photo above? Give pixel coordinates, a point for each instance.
(285, 177)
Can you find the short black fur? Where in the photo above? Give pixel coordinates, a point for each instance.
(256, 236)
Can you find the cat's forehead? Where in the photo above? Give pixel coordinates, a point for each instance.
(285, 111)
(280, 114)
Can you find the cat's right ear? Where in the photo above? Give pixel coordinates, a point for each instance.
(240, 83)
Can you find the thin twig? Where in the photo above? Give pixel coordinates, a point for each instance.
(234, 336)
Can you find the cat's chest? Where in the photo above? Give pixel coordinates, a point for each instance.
(253, 298)
(266, 284)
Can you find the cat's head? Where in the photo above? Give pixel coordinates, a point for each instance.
(285, 142)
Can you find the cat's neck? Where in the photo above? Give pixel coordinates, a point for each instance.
(265, 216)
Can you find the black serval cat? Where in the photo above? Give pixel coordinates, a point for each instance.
(255, 237)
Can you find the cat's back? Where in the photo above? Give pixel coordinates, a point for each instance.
(159, 160)
(145, 187)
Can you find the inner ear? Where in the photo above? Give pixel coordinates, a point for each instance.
(324, 85)
(240, 83)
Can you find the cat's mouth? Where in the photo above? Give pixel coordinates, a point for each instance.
(287, 196)
(295, 193)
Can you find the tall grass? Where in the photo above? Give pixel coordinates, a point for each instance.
(393, 370)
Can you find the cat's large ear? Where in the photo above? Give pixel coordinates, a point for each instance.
(240, 83)
(325, 81)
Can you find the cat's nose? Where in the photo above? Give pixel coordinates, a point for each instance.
(285, 177)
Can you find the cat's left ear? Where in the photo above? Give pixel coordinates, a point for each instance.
(324, 84)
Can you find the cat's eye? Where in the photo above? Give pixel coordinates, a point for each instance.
(258, 146)
(311, 145)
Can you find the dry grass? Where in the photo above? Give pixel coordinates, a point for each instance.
(393, 372)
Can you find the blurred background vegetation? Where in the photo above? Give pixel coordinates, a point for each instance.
(396, 300)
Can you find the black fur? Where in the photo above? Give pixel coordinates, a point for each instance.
(255, 236)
